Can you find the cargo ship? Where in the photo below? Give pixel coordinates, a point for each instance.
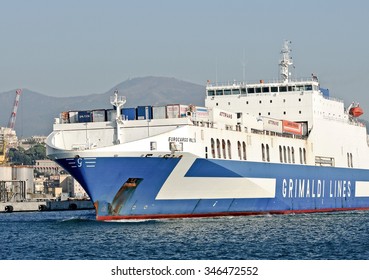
(278, 147)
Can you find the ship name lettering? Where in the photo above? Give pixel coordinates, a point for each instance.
(226, 115)
(182, 139)
(315, 188)
(276, 123)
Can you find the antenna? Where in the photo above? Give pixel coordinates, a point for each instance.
(285, 62)
(118, 102)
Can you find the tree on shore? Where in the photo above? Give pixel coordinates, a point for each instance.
(21, 156)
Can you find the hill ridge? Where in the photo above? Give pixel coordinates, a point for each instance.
(37, 111)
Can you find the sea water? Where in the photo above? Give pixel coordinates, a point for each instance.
(76, 235)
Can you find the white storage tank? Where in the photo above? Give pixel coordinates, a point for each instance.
(5, 173)
(24, 173)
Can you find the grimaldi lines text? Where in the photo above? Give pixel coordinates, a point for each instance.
(311, 188)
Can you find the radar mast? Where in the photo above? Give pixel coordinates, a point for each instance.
(285, 62)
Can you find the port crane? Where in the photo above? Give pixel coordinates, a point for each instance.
(11, 125)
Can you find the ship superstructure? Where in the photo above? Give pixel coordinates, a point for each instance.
(267, 147)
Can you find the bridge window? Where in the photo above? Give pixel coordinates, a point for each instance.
(258, 90)
(265, 89)
(250, 90)
(283, 89)
(308, 87)
(274, 89)
(235, 91)
(211, 92)
(243, 90)
(219, 92)
(227, 92)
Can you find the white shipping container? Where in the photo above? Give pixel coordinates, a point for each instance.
(201, 114)
(111, 115)
(73, 117)
(274, 125)
(222, 116)
(176, 111)
(159, 112)
(98, 115)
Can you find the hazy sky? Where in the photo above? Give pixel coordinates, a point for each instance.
(65, 48)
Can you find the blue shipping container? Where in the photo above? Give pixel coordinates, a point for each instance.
(129, 114)
(144, 112)
(84, 116)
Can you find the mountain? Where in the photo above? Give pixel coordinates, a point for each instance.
(36, 111)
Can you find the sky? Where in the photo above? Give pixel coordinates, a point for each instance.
(70, 48)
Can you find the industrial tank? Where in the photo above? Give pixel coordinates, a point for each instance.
(24, 173)
(5, 173)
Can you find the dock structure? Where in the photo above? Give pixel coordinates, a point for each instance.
(31, 206)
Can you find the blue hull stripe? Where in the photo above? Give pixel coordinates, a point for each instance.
(298, 188)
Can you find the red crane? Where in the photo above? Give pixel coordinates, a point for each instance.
(13, 115)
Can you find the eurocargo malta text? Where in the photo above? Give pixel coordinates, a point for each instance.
(277, 147)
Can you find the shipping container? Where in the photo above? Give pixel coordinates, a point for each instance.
(144, 112)
(111, 115)
(98, 116)
(274, 125)
(304, 127)
(73, 117)
(292, 127)
(221, 116)
(176, 111)
(129, 114)
(84, 116)
(159, 112)
(64, 117)
(200, 114)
